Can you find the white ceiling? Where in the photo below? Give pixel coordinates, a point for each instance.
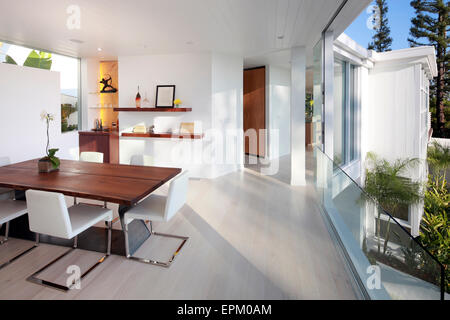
(249, 28)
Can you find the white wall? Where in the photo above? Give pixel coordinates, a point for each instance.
(443, 142)
(392, 117)
(279, 111)
(227, 112)
(211, 84)
(392, 124)
(24, 93)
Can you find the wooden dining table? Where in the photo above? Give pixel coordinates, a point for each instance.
(124, 185)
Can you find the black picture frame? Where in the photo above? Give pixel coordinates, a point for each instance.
(164, 104)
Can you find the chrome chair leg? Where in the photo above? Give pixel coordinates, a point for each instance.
(108, 245)
(5, 238)
(20, 254)
(150, 261)
(113, 221)
(127, 245)
(34, 279)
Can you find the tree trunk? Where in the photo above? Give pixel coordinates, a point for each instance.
(440, 85)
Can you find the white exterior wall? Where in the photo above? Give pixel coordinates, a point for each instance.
(393, 100)
(24, 93)
(395, 120)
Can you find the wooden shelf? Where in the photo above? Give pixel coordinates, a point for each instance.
(163, 135)
(153, 109)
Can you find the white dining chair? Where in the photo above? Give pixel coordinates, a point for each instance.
(48, 214)
(91, 157)
(141, 160)
(9, 210)
(5, 193)
(159, 208)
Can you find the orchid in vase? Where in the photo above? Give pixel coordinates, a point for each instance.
(50, 162)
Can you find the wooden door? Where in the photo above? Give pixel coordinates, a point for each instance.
(255, 108)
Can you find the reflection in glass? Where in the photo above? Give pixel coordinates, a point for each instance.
(339, 112)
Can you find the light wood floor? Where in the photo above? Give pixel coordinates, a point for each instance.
(251, 237)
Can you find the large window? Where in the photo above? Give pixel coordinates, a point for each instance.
(345, 113)
(67, 67)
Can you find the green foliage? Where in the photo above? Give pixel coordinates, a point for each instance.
(41, 60)
(437, 196)
(385, 183)
(435, 226)
(430, 28)
(309, 107)
(66, 110)
(54, 160)
(381, 39)
(10, 60)
(438, 157)
(434, 121)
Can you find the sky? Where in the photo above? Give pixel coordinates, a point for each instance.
(399, 15)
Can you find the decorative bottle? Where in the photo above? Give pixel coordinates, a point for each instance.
(138, 99)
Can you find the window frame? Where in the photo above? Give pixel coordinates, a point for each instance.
(352, 95)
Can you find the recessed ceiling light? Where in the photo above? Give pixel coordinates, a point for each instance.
(280, 37)
(99, 49)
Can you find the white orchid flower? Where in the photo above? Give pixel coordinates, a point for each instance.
(43, 115)
(47, 116)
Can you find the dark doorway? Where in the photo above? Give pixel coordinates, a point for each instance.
(255, 108)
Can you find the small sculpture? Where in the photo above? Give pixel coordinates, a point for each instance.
(107, 87)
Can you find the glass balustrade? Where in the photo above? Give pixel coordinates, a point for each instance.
(388, 262)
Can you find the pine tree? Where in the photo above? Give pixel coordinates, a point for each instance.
(430, 27)
(381, 39)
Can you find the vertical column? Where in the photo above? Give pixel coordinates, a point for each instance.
(298, 95)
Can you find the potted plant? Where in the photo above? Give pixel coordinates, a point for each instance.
(50, 162)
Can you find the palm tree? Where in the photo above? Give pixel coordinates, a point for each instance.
(386, 186)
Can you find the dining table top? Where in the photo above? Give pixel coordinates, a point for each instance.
(116, 183)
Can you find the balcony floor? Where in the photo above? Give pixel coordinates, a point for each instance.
(251, 237)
